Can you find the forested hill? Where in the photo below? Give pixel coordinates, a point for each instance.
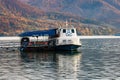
(107, 11)
(17, 17)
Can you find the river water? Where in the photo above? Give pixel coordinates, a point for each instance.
(97, 59)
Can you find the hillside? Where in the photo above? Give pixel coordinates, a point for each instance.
(107, 11)
(13, 17)
(17, 17)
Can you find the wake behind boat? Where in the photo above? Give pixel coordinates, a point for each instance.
(53, 39)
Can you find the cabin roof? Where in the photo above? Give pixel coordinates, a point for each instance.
(67, 28)
(50, 32)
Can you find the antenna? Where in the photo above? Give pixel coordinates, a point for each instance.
(66, 23)
(71, 22)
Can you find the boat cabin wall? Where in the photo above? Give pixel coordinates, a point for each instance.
(38, 38)
(68, 32)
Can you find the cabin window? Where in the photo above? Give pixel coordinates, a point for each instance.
(72, 30)
(69, 41)
(64, 30)
(64, 41)
(56, 41)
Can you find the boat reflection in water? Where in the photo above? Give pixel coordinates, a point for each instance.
(54, 65)
(68, 66)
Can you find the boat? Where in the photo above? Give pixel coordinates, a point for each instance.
(53, 39)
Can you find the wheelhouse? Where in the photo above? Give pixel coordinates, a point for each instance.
(67, 32)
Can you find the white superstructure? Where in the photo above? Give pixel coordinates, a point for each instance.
(68, 36)
(66, 39)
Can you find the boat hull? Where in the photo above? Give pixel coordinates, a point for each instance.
(69, 47)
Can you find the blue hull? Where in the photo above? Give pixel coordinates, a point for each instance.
(55, 48)
(69, 47)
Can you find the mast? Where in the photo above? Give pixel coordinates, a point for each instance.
(66, 24)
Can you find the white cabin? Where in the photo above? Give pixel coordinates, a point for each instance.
(67, 39)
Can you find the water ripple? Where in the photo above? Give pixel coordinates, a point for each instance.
(98, 60)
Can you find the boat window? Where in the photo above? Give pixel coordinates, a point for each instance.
(64, 30)
(64, 41)
(69, 41)
(56, 41)
(72, 30)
